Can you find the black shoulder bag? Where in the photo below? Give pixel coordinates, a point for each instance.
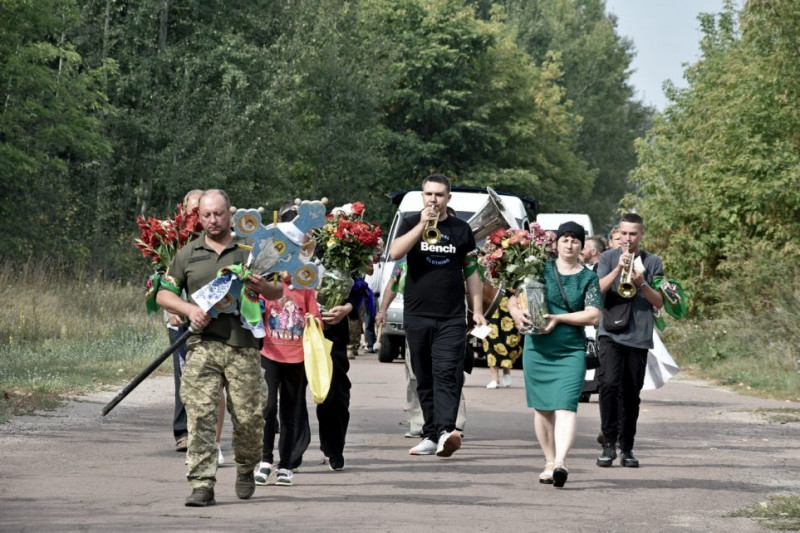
(616, 312)
(592, 358)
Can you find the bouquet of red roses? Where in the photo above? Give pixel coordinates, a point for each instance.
(348, 242)
(349, 246)
(161, 239)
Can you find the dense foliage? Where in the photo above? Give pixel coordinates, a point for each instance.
(595, 63)
(114, 109)
(719, 173)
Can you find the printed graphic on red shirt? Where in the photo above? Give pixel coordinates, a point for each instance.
(286, 320)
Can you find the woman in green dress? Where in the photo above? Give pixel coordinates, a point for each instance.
(554, 363)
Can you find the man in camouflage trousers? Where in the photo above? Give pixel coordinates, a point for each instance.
(222, 353)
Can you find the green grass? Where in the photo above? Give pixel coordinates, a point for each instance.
(61, 336)
(779, 512)
(747, 356)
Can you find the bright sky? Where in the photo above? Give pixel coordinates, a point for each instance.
(666, 35)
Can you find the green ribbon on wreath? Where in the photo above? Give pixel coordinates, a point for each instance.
(158, 280)
(471, 264)
(675, 302)
(249, 306)
(399, 278)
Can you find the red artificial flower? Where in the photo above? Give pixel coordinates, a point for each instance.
(348, 242)
(497, 236)
(161, 239)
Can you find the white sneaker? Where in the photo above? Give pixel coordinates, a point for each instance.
(492, 385)
(220, 457)
(506, 380)
(263, 472)
(284, 477)
(448, 444)
(425, 447)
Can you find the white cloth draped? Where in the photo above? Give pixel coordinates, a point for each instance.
(660, 365)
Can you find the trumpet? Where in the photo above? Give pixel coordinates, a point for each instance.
(431, 234)
(626, 287)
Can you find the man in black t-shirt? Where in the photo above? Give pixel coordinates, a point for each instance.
(434, 312)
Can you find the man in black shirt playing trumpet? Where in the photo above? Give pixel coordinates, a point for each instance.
(434, 314)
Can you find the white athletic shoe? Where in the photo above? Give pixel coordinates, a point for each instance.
(284, 477)
(220, 457)
(492, 385)
(506, 380)
(448, 444)
(425, 447)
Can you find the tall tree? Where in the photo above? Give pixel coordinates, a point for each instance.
(464, 100)
(49, 130)
(595, 62)
(719, 172)
(320, 104)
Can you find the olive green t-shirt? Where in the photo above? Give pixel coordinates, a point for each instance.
(194, 266)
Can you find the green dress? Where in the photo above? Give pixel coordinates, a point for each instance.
(554, 365)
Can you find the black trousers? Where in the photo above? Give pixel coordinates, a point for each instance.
(436, 348)
(369, 330)
(334, 413)
(179, 417)
(620, 379)
(288, 380)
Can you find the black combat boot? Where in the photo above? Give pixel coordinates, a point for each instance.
(608, 455)
(626, 458)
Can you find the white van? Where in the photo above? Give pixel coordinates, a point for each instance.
(551, 221)
(466, 202)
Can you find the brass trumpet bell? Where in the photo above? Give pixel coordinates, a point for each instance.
(431, 233)
(626, 288)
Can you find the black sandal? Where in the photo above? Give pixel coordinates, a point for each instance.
(560, 476)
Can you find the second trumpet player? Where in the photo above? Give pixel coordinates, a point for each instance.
(623, 348)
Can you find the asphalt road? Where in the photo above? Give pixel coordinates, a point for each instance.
(704, 453)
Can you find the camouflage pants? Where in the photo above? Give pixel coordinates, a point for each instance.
(208, 366)
(356, 328)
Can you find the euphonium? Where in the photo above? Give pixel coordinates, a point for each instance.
(626, 287)
(431, 233)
